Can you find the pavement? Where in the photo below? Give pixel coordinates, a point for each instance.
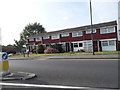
(110, 56)
(18, 76)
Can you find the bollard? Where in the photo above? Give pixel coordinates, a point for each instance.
(4, 64)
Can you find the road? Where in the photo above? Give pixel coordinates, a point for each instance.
(82, 73)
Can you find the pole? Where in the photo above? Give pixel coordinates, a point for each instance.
(91, 29)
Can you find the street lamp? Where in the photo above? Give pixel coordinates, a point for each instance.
(91, 28)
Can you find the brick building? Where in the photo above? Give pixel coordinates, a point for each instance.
(73, 39)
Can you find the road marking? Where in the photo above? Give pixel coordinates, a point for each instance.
(43, 86)
(51, 86)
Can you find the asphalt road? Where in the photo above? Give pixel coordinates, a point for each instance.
(85, 73)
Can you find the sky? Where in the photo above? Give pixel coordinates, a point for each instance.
(53, 15)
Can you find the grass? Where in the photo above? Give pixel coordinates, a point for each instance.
(71, 53)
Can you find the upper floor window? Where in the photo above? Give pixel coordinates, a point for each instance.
(55, 36)
(38, 39)
(76, 34)
(31, 39)
(64, 34)
(46, 37)
(107, 30)
(90, 31)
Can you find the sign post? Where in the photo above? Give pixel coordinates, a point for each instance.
(4, 64)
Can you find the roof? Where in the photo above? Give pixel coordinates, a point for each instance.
(81, 28)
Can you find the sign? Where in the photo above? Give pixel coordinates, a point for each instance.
(4, 56)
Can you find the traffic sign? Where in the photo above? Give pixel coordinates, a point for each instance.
(4, 56)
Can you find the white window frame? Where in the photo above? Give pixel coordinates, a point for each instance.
(38, 39)
(77, 34)
(108, 43)
(46, 37)
(55, 36)
(90, 31)
(31, 39)
(75, 44)
(64, 34)
(102, 30)
(105, 42)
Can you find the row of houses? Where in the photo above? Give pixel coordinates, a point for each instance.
(105, 38)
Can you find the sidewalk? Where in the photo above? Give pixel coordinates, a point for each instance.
(111, 56)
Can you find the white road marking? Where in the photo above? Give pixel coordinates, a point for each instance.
(52, 86)
(43, 86)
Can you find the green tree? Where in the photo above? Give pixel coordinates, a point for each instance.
(9, 49)
(29, 30)
(19, 45)
(32, 29)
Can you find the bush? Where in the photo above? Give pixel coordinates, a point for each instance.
(58, 47)
(50, 50)
(40, 48)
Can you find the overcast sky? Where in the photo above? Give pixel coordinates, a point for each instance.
(52, 14)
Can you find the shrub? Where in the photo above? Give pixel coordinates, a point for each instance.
(58, 47)
(41, 48)
(50, 50)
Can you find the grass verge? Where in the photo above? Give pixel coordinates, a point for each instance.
(70, 53)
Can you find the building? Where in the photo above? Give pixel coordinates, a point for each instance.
(79, 38)
(119, 20)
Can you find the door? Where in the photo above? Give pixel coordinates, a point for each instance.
(95, 46)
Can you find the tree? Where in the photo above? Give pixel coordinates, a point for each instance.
(29, 30)
(9, 49)
(32, 29)
(19, 45)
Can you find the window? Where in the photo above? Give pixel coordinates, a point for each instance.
(55, 36)
(75, 44)
(112, 42)
(38, 39)
(107, 30)
(108, 43)
(46, 37)
(76, 34)
(80, 44)
(111, 29)
(31, 39)
(64, 34)
(104, 43)
(89, 31)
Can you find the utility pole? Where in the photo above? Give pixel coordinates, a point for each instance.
(91, 28)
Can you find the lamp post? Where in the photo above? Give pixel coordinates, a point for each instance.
(91, 28)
